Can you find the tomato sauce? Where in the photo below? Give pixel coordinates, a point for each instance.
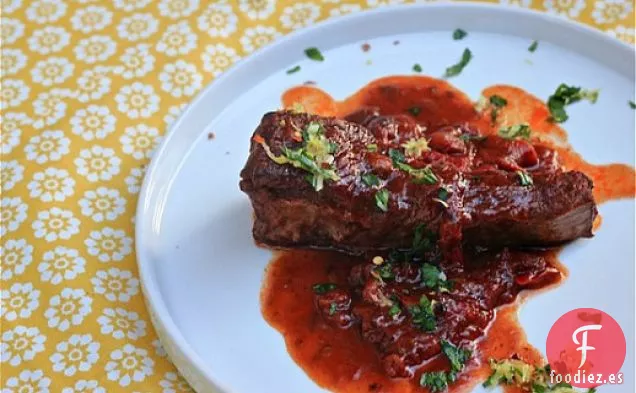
(351, 359)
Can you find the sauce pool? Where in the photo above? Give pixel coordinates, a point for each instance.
(341, 360)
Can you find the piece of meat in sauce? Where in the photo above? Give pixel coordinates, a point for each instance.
(484, 200)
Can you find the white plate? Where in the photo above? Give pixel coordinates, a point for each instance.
(200, 269)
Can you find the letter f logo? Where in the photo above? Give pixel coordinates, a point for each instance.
(584, 347)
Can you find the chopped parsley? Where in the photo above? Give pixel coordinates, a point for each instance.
(370, 179)
(315, 153)
(372, 147)
(293, 69)
(423, 239)
(632, 104)
(435, 381)
(423, 315)
(395, 309)
(385, 271)
(471, 137)
(417, 67)
(420, 175)
(533, 46)
(442, 194)
(456, 69)
(332, 308)
(526, 376)
(415, 147)
(524, 178)
(414, 110)
(434, 278)
(323, 288)
(522, 131)
(456, 356)
(565, 95)
(497, 103)
(438, 381)
(458, 34)
(314, 54)
(382, 199)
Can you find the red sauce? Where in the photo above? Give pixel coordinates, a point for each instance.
(344, 359)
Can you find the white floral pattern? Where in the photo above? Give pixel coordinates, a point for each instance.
(109, 244)
(21, 344)
(121, 324)
(129, 364)
(218, 20)
(28, 381)
(50, 39)
(174, 383)
(93, 84)
(97, 163)
(78, 354)
(13, 60)
(299, 15)
(217, 58)
(610, 11)
(102, 204)
(55, 223)
(567, 8)
(16, 255)
(89, 19)
(137, 100)
(61, 264)
(93, 122)
(19, 301)
(50, 145)
(13, 212)
(67, 309)
(53, 70)
(95, 49)
(137, 27)
(257, 37)
(84, 386)
(115, 284)
(11, 173)
(179, 39)
(180, 79)
(51, 185)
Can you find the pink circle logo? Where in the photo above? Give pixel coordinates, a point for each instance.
(586, 348)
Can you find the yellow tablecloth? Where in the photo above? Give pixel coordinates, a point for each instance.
(88, 88)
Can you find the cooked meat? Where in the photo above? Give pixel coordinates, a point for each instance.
(322, 182)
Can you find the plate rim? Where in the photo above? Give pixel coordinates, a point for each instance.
(180, 352)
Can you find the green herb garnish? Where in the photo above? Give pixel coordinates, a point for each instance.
(423, 239)
(458, 34)
(415, 147)
(370, 179)
(469, 137)
(372, 147)
(395, 309)
(435, 381)
(442, 193)
(294, 69)
(332, 308)
(524, 178)
(456, 69)
(315, 153)
(385, 271)
(323, 288)
(456, 356)
(566, 95)
(518, 131)
(632, 104)
(382, 199)
(497, 103)
(414, 110)
(434, 278)
(423, 315)
(420, 175)
(533, 46)
(314, 54)
(417, 68)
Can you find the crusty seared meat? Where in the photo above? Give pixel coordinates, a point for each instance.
(484, 202)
